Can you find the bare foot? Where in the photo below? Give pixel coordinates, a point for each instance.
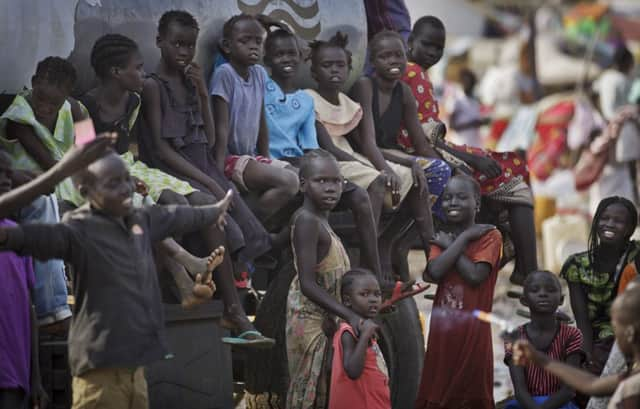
(201, 292)
(200, 265)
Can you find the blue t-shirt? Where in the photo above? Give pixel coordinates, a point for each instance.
(245, 105)
(291, 120)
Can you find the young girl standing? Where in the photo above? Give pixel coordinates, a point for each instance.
(458, 365)
(320, 261)
(359, 376)
(596, 276)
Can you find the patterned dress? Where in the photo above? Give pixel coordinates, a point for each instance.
(307, 345)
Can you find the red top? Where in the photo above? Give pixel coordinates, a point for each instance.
(568, 340)
(458, 365)
(370, 390)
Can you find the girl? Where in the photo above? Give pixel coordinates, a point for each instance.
(626, 388)
(503, 176)
(243, 138)
(320, 261)
(533, 387)
(359, 373)
(342, 119)
(178, 139)
(464, 263)
(596, 276)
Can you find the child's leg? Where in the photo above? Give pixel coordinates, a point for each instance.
(377, 190)
(523, 234)
(277, 186)
(418, 202)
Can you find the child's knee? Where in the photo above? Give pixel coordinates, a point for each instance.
(198, 198)
(170, 197)
(359, 201)
(378, 187)
(289, 182)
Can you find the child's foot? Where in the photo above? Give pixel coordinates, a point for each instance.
(201, 292)
(233, 319)
(200, 265)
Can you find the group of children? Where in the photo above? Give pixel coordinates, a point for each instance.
(204, 151)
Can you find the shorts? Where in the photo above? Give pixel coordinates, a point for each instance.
(111, 388)
(235, 165)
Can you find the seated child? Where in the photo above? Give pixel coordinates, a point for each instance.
(359, 376)
(242, 136)
(108, 242)
(533, 387)
(458, 365)
(320, 261)
(625, 388)
(466, 118)
(20, 370)
(503, 176)
(292, 131)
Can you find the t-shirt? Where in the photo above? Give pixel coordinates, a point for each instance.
(16, 279)
(568, 341)
(291, 121)
(627, 395)
(245, 105)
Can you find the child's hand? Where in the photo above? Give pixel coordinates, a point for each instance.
(524, 353)
(193, 73)
(392, 181)
(443, 239)
(487, 166)
(79, 157)
(419, 179)
(140, 187)
(478, 230)
(223, 206)
(368, 328)
(329, 327)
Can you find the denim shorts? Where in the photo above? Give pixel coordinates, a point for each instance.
(50, 292)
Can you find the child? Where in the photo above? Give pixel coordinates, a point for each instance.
(458, 365)
(533, 387)
(359, 375)
(596, 276)
(292, 131)
(466, 118)
(108, 243)
(625, 388)
(320, 261)
(242, 136)
(20, 370)
(343, 120)
(503, 176)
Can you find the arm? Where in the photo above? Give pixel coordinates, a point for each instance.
(581, 313)
(194, 74)
(263, 135)
(565, 393)
(326, 143)
(411, 122)
(42, 241)
(473, 273)
(221, 113)
(354, 352)
(482, 164)
(441, 265)
(78, 111)
(31, 144)
(153, 115)
(520, 389)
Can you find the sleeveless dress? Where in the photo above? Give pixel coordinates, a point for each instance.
(183, 128)
(307, 345)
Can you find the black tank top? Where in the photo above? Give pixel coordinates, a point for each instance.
(387, 125)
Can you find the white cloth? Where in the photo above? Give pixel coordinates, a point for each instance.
(613, 89)
(614, 181)
(467, 109)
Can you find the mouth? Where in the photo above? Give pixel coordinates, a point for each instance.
(609, 234)
(253, 56)
(335, 79)
(394, 70)
(182, 63)
(330, 200)
(453, 212)
(287, 68)
(373, 311)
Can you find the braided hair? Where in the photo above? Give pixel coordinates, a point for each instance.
(594, 239)
(111, 50)
(176, 16)
(56, 71)
(338, 40)
(350, 277)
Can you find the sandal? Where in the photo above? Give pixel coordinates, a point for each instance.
(252, 339)
(397, 294)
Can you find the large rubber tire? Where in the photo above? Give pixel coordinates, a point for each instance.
(402, 343)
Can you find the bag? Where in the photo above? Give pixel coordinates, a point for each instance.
(589, 168)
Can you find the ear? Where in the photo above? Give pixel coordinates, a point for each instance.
(410, 42)
(158, 40)
(115, 71)
(225, 45)
(303, 184)
(346, 300)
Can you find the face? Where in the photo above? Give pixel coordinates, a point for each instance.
(132, 75)
(622, 331)
(542, 293)
(283, 57)
(614, 224)
(426, 46)
(47, 99)
(245, 45)
(112, 187)
(330, 68)
(365, 297)
(323, 185)
(459, 201)
(390, 59)
(178, 45)
(5, 175)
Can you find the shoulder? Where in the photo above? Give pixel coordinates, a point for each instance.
(260, 72)
(150, 86)
(344, 328)
(78, 111)
(574, 265)
(224, 71)
(492, 236)
(362, 84)
(570, 332)
(306, 219)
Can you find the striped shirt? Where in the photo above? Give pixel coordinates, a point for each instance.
(568, 341)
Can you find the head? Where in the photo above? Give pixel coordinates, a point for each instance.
(52, 84)
(282, 54)
(115, 57)
(330, 61)
(468, 80)
(242, 40)
(387, 54)
(6, 181)
(626, 320)
(623, 60)
(461, 200)
(360, 292)
(107, 185)
(613, 224)
(320, 179)
(542, 292)
(426, 41)
(177, 37)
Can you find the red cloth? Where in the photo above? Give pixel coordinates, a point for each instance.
(370, 390)
(568, 340)
(422, 88)
(458, 365)
(231, 160)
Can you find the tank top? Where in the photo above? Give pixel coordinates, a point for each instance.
(387, 126)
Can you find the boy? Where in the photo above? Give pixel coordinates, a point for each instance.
(109, 244)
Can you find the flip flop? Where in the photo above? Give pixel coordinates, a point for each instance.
(398, 295)
(260, 341)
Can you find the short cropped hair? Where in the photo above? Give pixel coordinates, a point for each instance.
(312, 155)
